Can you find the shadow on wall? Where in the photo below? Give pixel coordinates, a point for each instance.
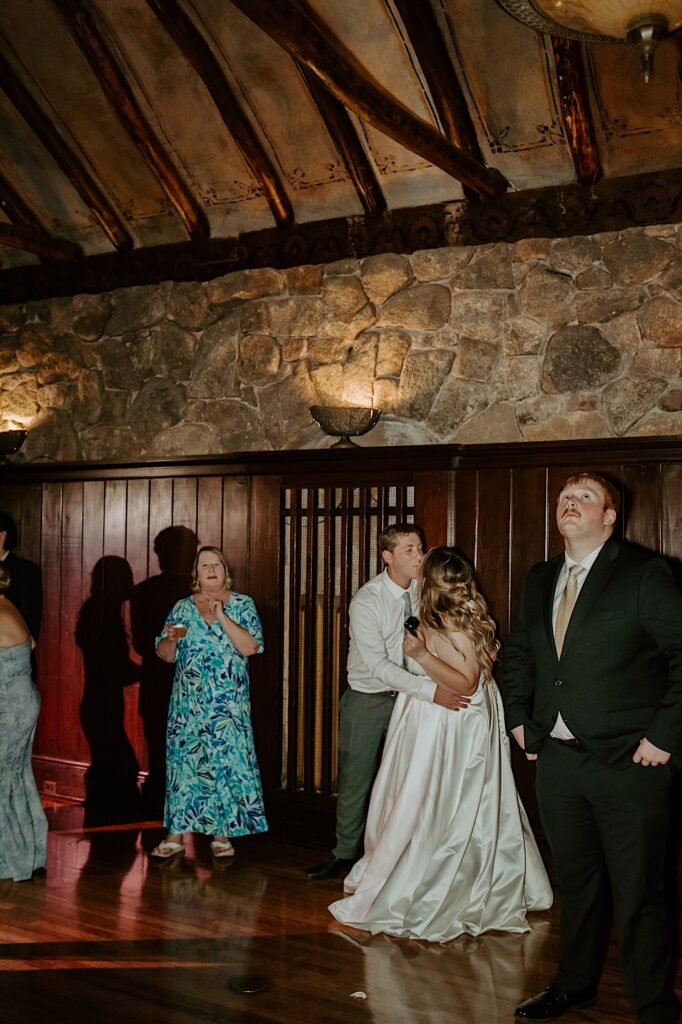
(151, 602)
(111, 791)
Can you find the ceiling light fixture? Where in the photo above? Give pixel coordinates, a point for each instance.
(642, 22)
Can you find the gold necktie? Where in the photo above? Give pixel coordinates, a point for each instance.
(567, 604)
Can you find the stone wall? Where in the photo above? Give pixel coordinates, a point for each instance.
(540, 340)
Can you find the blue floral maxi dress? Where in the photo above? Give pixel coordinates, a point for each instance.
(213, 781)
(23, 825)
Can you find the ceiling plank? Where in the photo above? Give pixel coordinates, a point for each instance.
(54, 250)
(190, 41)
(345, 138)
(447, 94)
(98, 47)
(575, 110)
(297, 28)
(16, 209)
(67, 159)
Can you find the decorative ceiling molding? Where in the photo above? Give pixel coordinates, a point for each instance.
(65, 156)
(538, 213)
(16, 236)
(195, 48)
(575, 110)
(345, 138)
(95, 41)
(297, 28)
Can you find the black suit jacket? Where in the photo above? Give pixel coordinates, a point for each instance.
(25, 590)
(619, 676)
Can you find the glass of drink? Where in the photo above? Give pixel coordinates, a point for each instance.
(180, 630)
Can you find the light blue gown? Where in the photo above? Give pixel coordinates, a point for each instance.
(213, 781)
(23, 826)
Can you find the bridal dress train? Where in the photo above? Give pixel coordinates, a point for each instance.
(448, 846)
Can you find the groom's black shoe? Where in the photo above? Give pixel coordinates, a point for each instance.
(551, 1003)
(329, 868)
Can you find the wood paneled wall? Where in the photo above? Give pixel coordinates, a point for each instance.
(494, 502)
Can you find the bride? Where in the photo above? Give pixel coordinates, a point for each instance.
(448, 847)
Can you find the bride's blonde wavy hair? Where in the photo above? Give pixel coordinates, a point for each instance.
(451, 602)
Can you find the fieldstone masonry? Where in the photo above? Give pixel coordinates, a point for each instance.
(541, 340)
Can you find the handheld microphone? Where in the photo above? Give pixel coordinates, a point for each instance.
(412, 625)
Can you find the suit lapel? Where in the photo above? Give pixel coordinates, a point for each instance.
(549, 586)
(591, 589)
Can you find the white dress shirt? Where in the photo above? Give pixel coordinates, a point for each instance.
(375, 654)
(561, 730)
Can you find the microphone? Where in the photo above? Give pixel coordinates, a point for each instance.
(412, 625)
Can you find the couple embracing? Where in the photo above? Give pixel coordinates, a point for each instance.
(447, 847)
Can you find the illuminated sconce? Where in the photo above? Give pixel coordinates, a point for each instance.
(10, 442)
(345, 421)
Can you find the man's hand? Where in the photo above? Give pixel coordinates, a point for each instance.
(414, 646)
(518, 734)
(647, 754)
(448, 699)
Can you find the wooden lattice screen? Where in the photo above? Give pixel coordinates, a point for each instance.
(329, 548)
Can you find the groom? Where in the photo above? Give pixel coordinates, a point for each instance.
(593, 692)
(375, 677)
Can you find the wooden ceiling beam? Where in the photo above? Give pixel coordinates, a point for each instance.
(53, 250)
(16, 209)
(66, 158)
(298, 29)
(345, 138)
(447, 94)
(192, 44)
(99, 48)
(575, 110)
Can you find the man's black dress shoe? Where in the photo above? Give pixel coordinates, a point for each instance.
(329, 868)
(551, 1003)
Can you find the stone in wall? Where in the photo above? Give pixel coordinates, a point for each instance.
(159, 404)
(661, 322)
(383, 276)
(626, 401)
(134, 309)
(420, 382)
(492, 269)
(423, 307)
(458, 401)
(213, 374)
(259, 359)
(475, 359)
(579, 358)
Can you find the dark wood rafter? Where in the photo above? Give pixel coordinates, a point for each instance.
(575, 110)
(16, 209)
(190, 41)
(345, 138)
(66, 157)
(297, 28)
(95, 42)
(555, 212)
(16, 236)
(447, 94)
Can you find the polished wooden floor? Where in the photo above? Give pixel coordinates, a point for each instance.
(106, 937)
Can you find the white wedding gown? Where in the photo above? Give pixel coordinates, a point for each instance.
(448, 846)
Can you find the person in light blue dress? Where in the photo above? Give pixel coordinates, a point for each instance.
(23, 826)
(213, 781)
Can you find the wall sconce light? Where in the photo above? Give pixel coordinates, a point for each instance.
(345, 421)
(10, 442)
(642, 22)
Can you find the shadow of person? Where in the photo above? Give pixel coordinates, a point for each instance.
(152, 600)
(111, 788)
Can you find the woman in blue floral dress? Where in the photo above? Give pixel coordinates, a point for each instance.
(213, 782)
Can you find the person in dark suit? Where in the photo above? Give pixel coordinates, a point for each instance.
(26, 588)
(593, 693)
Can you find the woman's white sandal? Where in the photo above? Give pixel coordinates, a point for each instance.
(222, 848)
(166, 850)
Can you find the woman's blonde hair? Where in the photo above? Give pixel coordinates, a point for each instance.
(451, 602)
(223, 562)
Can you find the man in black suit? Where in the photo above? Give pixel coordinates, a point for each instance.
(26, 587)
(593, 692)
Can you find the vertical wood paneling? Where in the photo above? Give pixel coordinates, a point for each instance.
(185, 503)
(236, 522)
(643, 514)
(492, 544)
(115, 505)
(53, 735)
(29, 523)
(210, 512)
(528, 528)
(431, 491)
(70, 663)
(137, 528)
(671, 511)
(465, 512)
(160, 516)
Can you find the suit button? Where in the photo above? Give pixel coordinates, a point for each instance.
(558, 682)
